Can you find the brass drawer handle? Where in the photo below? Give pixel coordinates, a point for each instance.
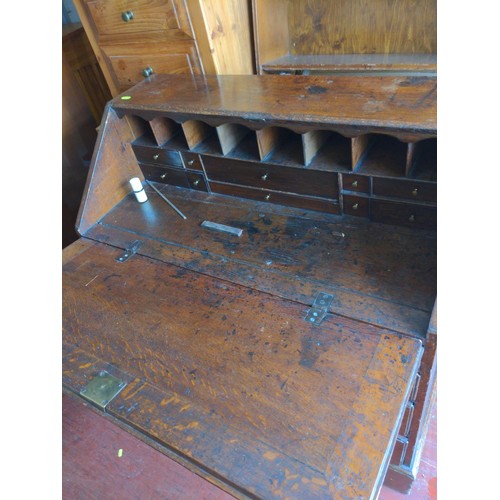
(127, 16)
(147, 71)
(412, 218)
(414, 191)
(355, 206)
(354, 184)
(156, 156)
(265, 177)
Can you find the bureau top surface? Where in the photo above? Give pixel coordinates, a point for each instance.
(361, 103)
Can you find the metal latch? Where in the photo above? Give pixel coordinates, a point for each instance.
(130, 251)
(102, 389)
(319, 308)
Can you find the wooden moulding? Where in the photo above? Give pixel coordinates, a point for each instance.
(196, 132)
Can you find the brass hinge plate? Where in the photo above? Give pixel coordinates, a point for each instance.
(319, 308)
(102, 389)
(130, 251)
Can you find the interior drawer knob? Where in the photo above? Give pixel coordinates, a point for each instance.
(147, 71)
(355, 206)
(196, 182)
(127, 16)
(190, 162)
(412, 218)
(156, 156)
(414, 191)
(265, 177)
(267, 197)
(354, 184)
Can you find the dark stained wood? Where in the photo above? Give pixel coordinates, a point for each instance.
(172, 176)
(159, 156)
(113, 164)
(382, 156)
(381, 275)
(362, 105)
(308, 203)
(195, 387)
(407, 189)
(401, 213)
(192, 161)
(274, 177)
(356, 183)
(356, 205)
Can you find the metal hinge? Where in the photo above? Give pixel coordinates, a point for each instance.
(130, 251)
(319, 308)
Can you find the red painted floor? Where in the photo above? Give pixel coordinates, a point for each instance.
(93, 469)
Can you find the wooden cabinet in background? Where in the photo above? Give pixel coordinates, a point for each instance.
(334, 35)
(134, 39)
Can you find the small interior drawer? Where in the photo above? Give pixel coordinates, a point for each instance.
(289, 200)
(403, 188)
(172, 176)
(150, 154)
(356, 183)
(133, 16)
(192, 161)
(404, 214)
(272, 177)
(356, 205)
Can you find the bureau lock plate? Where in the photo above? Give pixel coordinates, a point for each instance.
(102, 389)
(319, 308)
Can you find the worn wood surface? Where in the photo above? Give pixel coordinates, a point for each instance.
(353, 62)
(404, 107)
(230, 377)
(376, 273)
(113, 164)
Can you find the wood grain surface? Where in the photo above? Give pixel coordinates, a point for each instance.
(230, 377)
(402, 106)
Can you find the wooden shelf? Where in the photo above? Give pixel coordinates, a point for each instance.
(415, 63)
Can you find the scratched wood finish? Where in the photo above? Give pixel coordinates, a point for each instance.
(230, 377)
(404, 107)
(113, 164)
(381, 274)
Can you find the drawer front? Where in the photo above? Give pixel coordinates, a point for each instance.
(403, 188)
(278, 198)
(197, 181)
(272, 177)
(192, 161)
(133, 16)
(356, 183)
(158, 156)
(356, 205)
(399, 451)
(129, 69)
(172, 176)
(404, 214)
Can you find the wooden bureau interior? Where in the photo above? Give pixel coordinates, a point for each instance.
(233, 364)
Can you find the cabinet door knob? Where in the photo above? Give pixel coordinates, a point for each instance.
(414, 191)
(355, 206)
(147, 71)
(264, 177)
(127, 16)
